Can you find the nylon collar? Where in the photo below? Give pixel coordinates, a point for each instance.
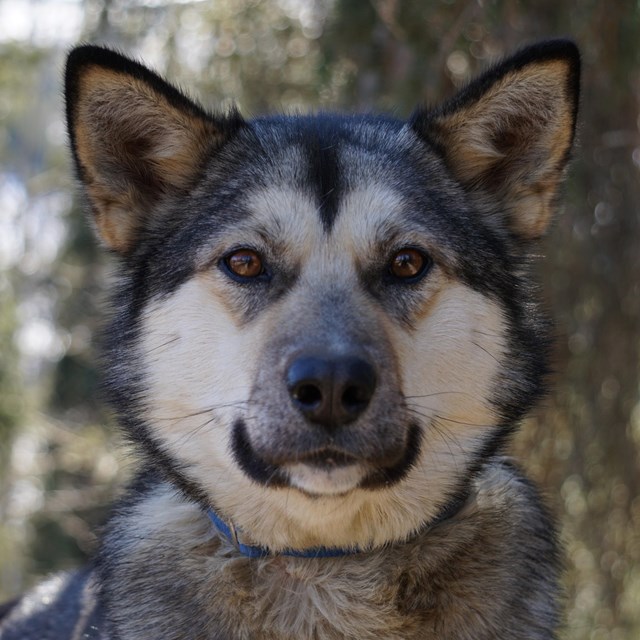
(254, 551)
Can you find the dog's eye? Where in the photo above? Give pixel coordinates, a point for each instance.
(244, 263)
(409, 264)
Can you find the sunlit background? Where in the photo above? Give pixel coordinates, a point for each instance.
(60, 459)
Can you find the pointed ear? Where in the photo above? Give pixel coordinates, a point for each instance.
(136, 140)
(508, 135)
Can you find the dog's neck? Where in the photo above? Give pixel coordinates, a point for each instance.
(499, 538)
(233, 535)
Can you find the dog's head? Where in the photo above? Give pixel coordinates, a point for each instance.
(324, 324)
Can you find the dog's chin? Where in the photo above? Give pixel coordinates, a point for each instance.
(327, 480)
(326, 471)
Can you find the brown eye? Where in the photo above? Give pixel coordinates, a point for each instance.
(408, 264)
(244, 263)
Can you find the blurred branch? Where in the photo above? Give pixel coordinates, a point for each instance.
(468, 12)
(386, 12)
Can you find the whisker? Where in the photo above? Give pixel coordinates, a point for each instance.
(475, 344)
(235, 403)
(195, 431)
(489, 334)
(438, 393)
(464, 424)
(419, 413)
(447, 436)
(164, 344)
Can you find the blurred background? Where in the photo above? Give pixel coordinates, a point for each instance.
(60, 459)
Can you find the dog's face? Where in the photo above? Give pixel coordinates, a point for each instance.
(324, 325)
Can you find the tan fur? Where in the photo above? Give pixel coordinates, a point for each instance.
(521, 127)
(447, 367)
(126, 116)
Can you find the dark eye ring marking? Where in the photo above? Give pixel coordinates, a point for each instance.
(409, 265)
(244, 265)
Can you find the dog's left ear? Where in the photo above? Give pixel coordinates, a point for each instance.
(508, 135)
(136, 141)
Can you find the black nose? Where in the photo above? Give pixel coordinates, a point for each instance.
(331, 391)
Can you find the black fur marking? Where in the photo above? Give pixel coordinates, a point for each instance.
(270, 475)
(256, 468)
(319, 137)
(321, 146)
(389, 476)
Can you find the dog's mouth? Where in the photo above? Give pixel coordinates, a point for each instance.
(325, 479)
(326, 470)
(327, 459)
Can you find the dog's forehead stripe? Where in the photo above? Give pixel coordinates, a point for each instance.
(326, 146)
(321, 149)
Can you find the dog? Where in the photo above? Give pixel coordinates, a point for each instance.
(324, 331)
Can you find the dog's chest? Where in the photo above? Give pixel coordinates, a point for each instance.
(487, 573)
(284, 598)
(203, 589)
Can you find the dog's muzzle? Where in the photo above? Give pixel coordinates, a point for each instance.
(326, 423)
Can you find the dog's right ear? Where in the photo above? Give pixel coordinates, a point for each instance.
(506, 137)
(136, 140)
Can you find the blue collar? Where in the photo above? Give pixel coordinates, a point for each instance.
(251, 551)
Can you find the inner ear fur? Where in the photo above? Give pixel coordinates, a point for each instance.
(135, 140)
(508, 134)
